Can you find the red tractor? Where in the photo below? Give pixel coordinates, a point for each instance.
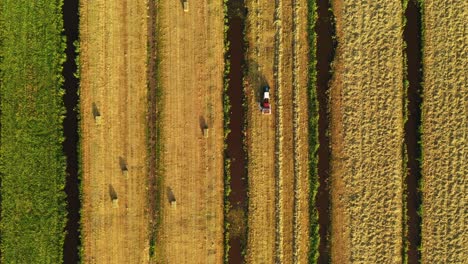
(265, 105)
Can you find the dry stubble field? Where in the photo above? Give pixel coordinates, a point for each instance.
(113, 82)
(277, 144)
(192, 66)
(367, 133)
(444, 133)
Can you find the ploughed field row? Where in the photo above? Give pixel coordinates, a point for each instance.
(444, 132)
(366, 133)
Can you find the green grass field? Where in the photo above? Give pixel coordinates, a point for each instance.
(32, 164)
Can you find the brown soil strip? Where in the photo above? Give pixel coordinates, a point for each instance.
(70, 127)
(325, 30)
(235, 147)
(412, 35)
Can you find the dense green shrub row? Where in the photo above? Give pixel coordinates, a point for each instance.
(32, 163)
(313, 134)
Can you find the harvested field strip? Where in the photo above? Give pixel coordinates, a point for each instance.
(192, 66)
(444, 132)
(71, 130)
(260, 35)
(325, 52)
(291, 156)
(33, 212)
(282, 162)
(114, 146)
(367, 130)
(412, 35)
(278, 134)
(300, 126)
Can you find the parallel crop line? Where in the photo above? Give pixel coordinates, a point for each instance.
(296, 140)
(279, 131)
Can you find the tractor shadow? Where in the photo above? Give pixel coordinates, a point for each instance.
(256, 80)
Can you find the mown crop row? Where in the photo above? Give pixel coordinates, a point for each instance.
(32, 164)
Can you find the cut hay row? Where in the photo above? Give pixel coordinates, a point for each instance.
(300, 133)
(279, 132)
(367, 133)
(33, 212)
(445, 132)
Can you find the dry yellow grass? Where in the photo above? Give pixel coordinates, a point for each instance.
(367, 133)
(192, 66)
(113, 78)
(444, 134)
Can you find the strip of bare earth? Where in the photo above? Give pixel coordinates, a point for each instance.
(412, 82)
(367, 133)
(113, 95)
(445, 132)
(191, 72)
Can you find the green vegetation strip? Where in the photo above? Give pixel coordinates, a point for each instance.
(226, 118)
(32, 164)
(155, 243)
(313, 134)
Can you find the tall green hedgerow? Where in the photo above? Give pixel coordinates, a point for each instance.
(32, 163)
(226, 118)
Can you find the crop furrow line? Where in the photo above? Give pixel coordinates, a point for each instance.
(279, 132)
(296, 140)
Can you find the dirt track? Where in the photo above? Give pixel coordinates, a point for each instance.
(444, 133)
(367, 133)
(277, 144)
(192, 67)
(113, 78)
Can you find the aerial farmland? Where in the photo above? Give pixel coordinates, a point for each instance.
(233, 131)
